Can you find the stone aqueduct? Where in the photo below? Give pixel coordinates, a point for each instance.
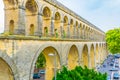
(36, 26)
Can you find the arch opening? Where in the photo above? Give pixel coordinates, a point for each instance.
(57, 24)
(11, 27)
(31, 30)
(47, 63)
(65, 20)
(46, 21)
(31, 10)
(85, 56)
(92, 56)
(71, 28)
(31, 6)
(73, 57)
(12, 2)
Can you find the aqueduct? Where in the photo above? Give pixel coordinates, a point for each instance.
(35, 26)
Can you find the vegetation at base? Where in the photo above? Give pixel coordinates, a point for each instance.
(80, 73)
(41, 61)
(113, 40)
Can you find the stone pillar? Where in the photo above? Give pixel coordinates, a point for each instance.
(83, 33)
(39, 26)
(87, 33)
(20, 29)
(61, 28)
(89, 61)
(52, 27)
(93, 35)
(78, 32)
(68, 31)
(89, 58)
(74, 32)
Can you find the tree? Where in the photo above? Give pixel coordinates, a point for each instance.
(41, 61)
(113, 40)
(80, 73)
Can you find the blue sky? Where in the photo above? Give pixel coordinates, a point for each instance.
(105, 14)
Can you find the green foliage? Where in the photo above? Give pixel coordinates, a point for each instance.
(113, 40)
(56, 34)
(64, 34)
(80, 73)
(6, 34)
(41, 61)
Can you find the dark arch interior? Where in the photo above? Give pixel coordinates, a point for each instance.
(57, 16)
(31, 6)
(46, 12)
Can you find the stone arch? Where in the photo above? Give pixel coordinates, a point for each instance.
(85, 56)
(49, 60)
(46, 12)
(65, 25)
(23, 3)
(57, 14)
(57, 18)
(73, 57)
(11, 27)
(92, 56)
(8, 68)
(31, 11)
(31, 6)
(65, 20)
(9, 3)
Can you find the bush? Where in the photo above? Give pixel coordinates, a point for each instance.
(80, 73)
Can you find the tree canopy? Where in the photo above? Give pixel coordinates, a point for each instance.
(80, 73)
(113, 40)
